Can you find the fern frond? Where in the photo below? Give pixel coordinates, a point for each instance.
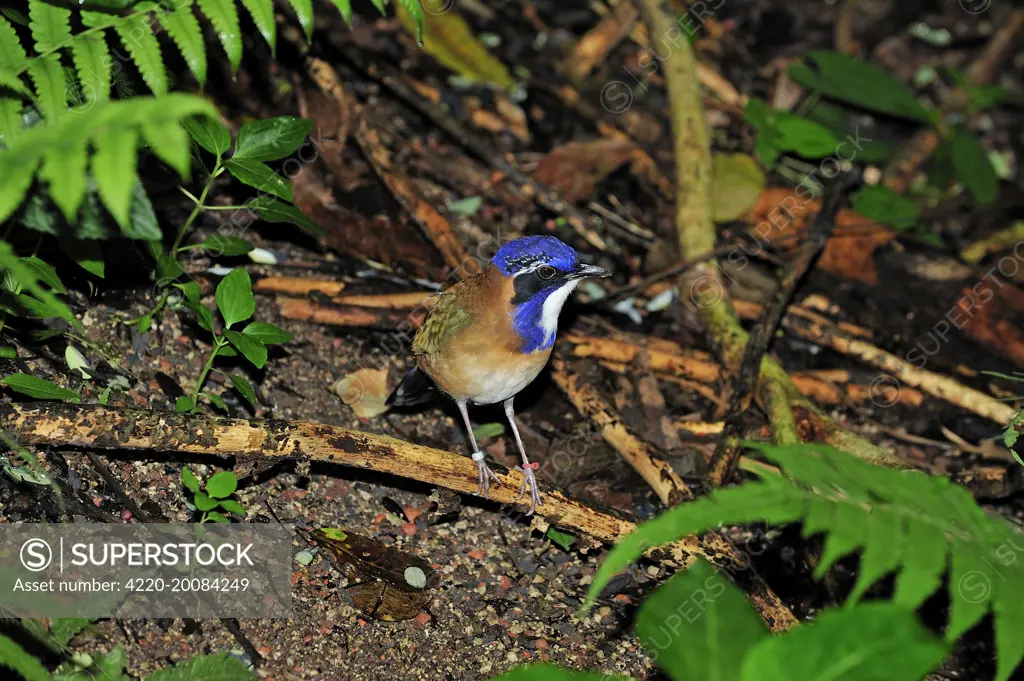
(50, 26)
(224, 16)
(91, 56)
(12, 54)
(10, 119)
(112, 128)
(66, 174)
(304, 13)
(51, 89)
(345, 7)
(183, 27)
(909, 523)
(262, 12)
(138, 38)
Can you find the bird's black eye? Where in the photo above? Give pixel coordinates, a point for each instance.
(546, 272)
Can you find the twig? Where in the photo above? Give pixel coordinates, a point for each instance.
(599, 41)
(148, 431)
(527, 185)
(696, 233)
(666, 483)
(742, 390)
(340, 314)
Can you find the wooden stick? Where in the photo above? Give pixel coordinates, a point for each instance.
(666, 483)
(99, 427)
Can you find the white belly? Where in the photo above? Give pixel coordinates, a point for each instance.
(491, 387)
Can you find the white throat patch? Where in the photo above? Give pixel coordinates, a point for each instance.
(553, 306)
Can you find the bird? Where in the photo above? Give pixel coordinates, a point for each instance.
(489, 336)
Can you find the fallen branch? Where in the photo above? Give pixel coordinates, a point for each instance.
(666, 483)
(97, 427)
(697, 234)
(341, 314)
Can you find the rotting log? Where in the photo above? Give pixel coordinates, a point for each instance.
(98, 427)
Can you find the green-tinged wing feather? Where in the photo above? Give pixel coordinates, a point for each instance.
(446, 319)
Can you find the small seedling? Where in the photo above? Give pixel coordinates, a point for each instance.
(214, 498)
(236, 304)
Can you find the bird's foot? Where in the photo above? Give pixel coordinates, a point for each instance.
(530, 480)
(484, 475)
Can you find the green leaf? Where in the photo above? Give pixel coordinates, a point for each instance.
(184, 403)
(304, 13)
(869, 642)
(736, 186)
(415, 10)
(217, 517)
(227, 246)
(50, 25)
(854, 81)
(224, 16)
(87, 254)
(803, 136)
(549, 672)
(191, 290)
(183, 27)
(142, 223)
(220, 667)
(234, 297)
(12, 82)
(14, 657)
(168, 269)
(252, 349)
(262, 12)
(222, 484)
(12, 54)
(169, 141)
(37, 388)
(276, 211)
(563, 539)
(10, 120)
(268, 334)
(26, 277)
(63, 629)
(208, 132)
(8, 352)
(189, 480)
(113, 169)
(243, 387)
(970, 160)
(259, 175)
(886, 206)
(48, 77)
(467, 206)
(232, 506)
(488, 430)
(345, 7)
(271, 138)
(44, 273)
(204, 502)
(700, 625)
(138, 38)
(92, 62)
(203, 316)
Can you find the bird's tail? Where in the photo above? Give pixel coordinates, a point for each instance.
(415, 388)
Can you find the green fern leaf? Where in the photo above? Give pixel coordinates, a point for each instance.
(415, 10)
(66, 173)
(304, 13)
(170, 143)
(904, 522)
(224, 16)
(10, 120)
(113, 169)
(24, 664)
(20, 160)
(48, 77)
(380, 5)
(92, 61)
(12, 54)
(183, 27)
(50, 25)
(345, 7)
(137, 36)
(262, 12)
(12, 82)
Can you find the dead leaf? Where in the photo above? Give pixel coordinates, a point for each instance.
(576, 168)
(365, 391)
(736, 187)
(449, 39)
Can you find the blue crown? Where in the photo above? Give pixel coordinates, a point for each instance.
(527, 250)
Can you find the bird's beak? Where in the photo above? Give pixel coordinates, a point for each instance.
(584, 270)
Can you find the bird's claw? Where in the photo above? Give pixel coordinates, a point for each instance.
(484, 475)
(530, 479)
